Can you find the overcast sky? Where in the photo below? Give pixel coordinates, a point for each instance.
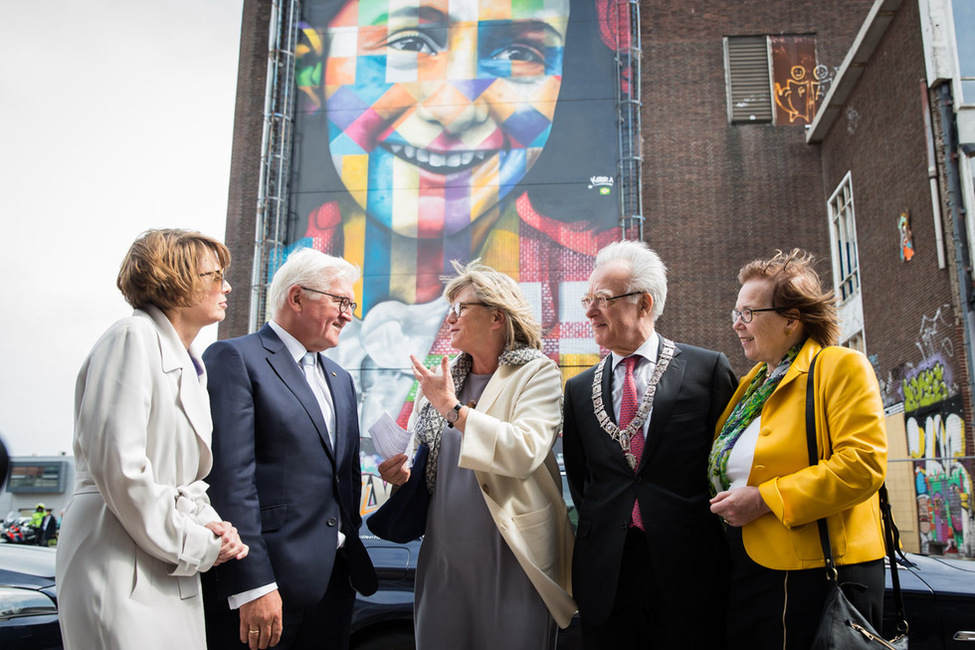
(117, 117)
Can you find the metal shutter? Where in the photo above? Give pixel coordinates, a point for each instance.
(747, 72)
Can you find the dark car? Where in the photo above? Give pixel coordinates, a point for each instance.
(939, 598)
(28, 600)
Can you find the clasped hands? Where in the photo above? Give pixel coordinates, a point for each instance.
(231, 546)
(438, 388)
(739, 506)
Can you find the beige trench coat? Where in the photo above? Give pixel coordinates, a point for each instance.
(133, 538)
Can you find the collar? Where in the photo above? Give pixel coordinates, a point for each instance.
(293, 345)
(648, 350)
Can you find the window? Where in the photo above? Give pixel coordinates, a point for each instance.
(846, 266)
(844, 238)
(773, 79)
(963, 15)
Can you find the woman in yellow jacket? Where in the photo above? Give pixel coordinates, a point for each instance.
(764, 488)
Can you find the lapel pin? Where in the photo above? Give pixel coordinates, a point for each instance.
(333, 374)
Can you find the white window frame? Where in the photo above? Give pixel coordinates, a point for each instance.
(844, 253)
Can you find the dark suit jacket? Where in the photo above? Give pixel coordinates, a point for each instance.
(687, 550)
(275, 475)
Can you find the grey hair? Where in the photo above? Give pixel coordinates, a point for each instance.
(647, 272)
(498, 291)
(307, 267)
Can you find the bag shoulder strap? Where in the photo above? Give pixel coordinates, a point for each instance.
(891, 534)
(814, 460)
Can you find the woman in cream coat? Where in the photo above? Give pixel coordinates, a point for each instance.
(767, 493)
(494, 567)
(139, 527)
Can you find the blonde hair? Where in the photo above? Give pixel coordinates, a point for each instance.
(162, 268)
(498, 291)
(796, 287)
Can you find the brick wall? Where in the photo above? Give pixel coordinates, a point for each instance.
(717, 195)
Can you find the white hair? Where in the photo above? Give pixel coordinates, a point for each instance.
(311, 268)
(647, 272)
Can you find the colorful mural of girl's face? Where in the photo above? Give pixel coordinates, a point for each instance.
(438, 108)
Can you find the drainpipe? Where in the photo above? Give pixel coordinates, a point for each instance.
(959, 227)
(939, 235)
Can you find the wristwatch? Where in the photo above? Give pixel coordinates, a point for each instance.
(452, 415)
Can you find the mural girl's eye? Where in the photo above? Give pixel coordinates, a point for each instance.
(415, 41)
(520, 53)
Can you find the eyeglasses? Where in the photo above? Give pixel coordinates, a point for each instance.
(458, 308)
(218, 275)
(602, 301)
(343, 302)
(746, 314)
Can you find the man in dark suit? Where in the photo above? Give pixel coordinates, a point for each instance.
(49, 528)
(649, 567)
(286, 468)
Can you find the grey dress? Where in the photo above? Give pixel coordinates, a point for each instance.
(471, 593)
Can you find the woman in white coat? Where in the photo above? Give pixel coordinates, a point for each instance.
(494, 567)
(139, 527)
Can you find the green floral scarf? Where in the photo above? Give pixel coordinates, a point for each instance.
(744, 412)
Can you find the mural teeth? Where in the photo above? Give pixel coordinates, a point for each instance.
(422, 155)
(396, 148)
(453, 160)
(437, 160)
(480, 155)
(409, 152)
(467, 157)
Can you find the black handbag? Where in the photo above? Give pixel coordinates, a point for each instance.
(841, 626)
(403, 517)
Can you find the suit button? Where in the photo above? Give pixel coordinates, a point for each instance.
(625, 525)
(638, 479)
(331, 521)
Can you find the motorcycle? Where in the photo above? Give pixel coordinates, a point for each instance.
(19, 531)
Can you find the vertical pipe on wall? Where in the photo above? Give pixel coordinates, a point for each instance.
(959, 228)
(933, 176)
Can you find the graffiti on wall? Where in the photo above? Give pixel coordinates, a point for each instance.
(936, 437)
(799, 82)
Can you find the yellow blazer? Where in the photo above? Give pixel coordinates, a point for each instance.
(852, 442)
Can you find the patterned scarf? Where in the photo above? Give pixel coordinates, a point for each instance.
(744, 412)
(430, 424)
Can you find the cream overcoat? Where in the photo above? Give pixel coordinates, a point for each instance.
(508, 442)
(133, 538)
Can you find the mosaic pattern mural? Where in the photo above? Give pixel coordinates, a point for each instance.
(436, 130)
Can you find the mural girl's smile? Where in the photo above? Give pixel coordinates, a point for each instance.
(438, 108)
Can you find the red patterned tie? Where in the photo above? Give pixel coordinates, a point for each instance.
(628, 409)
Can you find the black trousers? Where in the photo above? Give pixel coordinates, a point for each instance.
(325, 626)
(643, 614)
(768, 606)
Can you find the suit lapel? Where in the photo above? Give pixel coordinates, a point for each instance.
(294, 379)
(176, 362)
(493, 388)
(663, 403)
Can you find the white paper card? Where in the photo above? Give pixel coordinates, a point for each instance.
(388, 437)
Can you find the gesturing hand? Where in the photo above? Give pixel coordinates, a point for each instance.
(437, 388)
